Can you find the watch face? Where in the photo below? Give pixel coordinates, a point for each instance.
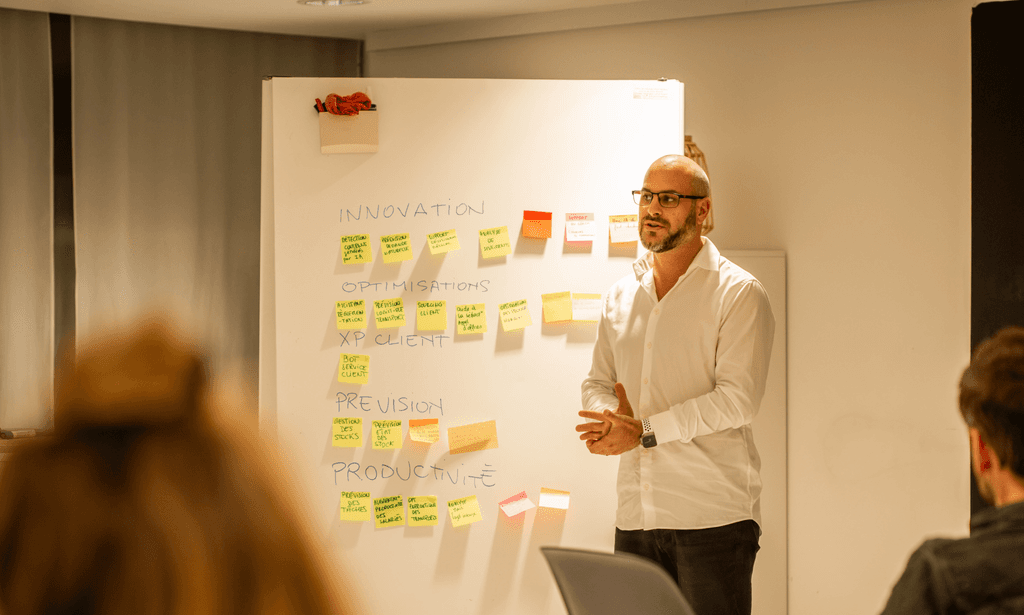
(648, 440)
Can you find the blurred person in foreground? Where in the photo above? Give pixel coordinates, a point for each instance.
(984, 573)
(147, 500)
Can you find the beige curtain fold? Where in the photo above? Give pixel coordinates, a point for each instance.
(26, 215)
(167, 171)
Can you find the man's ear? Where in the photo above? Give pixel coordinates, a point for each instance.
(982, 451)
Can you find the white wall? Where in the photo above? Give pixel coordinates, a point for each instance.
(840, 134)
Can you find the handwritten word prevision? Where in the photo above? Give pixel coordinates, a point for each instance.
(368, 403)
(414, 285)
(352, 471)
(372, 212)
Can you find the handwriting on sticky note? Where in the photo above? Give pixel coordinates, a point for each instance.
(351, 314)
(622, 229)
(356, 506)
(422, 510)
(514, 315)
(537, 224)
(494, 242)
(388, 511)
(347, 432)
(580, 227)
(557, 307)
(424, 430)
(553, 498)
(516, 504)
(431, 316)
(470, 318)
(464, 511)
(395, 248)
(354, 368)
(443, 241)
(586, 307)
(389, 313)
(355, 249)
(387, 434)
(473, 437)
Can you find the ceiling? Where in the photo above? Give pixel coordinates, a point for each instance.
(391, 21)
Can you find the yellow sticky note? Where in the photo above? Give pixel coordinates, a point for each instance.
(431, 316)
(424, 430)
(354, 368)
(473, 437)
(395, 248)
(355, 249)
(422, 510)
(470, 318)
(355, 506)
(514, 315)
(586, 307)
(464, 511)
(389, 313)
(622, 229)
(389, 511)
(443, 241)
(553, 498)
(387, 434)
(351, 314)
(347, 432)
(557, 307)
(494, 242)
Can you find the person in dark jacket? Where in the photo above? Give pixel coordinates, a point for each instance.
(984, 573)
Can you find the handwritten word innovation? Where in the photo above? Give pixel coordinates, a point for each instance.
(389, 211)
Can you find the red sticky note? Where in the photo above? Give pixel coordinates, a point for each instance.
(537, 224)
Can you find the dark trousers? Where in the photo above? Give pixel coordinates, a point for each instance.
(712, 566)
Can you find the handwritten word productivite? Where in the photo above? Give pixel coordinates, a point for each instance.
(355, 472)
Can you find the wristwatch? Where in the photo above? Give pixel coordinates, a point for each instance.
(648, 439)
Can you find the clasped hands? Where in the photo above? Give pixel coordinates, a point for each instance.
(616, 433)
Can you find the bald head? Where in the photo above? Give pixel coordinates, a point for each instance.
(692, 178)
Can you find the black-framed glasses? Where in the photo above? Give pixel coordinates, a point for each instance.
(667, 199)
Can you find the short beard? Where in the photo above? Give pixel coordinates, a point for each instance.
(683, 235)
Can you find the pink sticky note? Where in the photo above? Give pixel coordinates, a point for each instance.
(516, 504)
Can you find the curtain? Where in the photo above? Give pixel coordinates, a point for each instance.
(26, 214)
(167, 172)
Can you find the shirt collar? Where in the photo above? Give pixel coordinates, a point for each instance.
(1011, 513)
(707, 258)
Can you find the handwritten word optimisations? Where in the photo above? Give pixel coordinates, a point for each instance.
(389, 211)
(426, 286)
(353, 471)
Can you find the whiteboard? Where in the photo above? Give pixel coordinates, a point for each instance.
(465, 155)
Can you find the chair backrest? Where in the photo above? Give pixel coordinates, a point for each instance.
(594, 583)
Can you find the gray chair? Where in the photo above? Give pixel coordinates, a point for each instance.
(594, 583)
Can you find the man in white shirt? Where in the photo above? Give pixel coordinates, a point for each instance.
(686, 341)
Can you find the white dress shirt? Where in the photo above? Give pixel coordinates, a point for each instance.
(695, 364)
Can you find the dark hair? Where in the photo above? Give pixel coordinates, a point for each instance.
(145, 501)
(992, 395)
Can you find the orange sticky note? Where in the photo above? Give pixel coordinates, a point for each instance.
(424, 430)
(472, 437)
(557, 307)
(537, 224)
(553, 498)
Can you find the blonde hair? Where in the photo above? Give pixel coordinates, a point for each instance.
(144, 502)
